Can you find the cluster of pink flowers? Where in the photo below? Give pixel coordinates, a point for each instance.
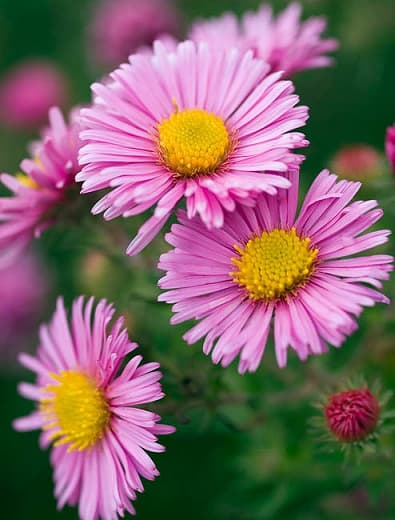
(210, 123)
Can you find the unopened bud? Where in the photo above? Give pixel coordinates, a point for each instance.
(352, 415)
(357, 162)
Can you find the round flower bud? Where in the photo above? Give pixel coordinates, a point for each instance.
(357, 162)
(352, 415)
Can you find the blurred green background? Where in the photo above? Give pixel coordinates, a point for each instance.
(243, 450)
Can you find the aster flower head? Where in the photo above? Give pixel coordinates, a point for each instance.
(268, 265)
(390, 146)
(41, 187)
(28, 91)
(89, 408)
(210, 126)
(284, 42)
(120, 27)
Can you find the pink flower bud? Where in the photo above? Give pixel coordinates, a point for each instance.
(352, 414)
(357, 162)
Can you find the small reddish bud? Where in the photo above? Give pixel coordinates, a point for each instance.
(357, 162)
(352, 414)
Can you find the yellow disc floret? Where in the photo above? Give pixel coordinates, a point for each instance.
(193, 142)
(27, 181)
(273, 265)
(76, 409)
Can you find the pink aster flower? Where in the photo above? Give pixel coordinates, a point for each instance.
(266, 265)
(208, 125)
(28, 91)
(284, 41)
(89, 408)
(390, 146)
(42, 187)
(24, 286)
(120, 27)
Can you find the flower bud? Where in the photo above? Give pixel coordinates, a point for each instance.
(352, 415)
(357, 162)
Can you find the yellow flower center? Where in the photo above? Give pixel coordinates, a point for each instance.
(27, 181)
(193, 142)
(77, 409)
(274, 265)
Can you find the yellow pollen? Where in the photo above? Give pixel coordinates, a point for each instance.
(27, 181)
(193, 142)
(76, 408)
(274, 264)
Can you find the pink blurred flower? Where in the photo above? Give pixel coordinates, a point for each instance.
(23, 288)
(120, 27)
(357, 162)
(41, 188)
(28, 91)
(390, 146)
(89, 407)
(208, 125)
(284, 41)
(266, 265)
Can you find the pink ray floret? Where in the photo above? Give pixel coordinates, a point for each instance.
(120, 135)
(42, 187)
(200, 283)
(284, 41)
(103, 478)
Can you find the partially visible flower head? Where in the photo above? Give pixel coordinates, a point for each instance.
(28, 91)
(88, 407)
(267, 265)
(41, 188)
(120, 27)
(284, 41)
(207, 125)
(390, 146)
(24, 285)
(357, 162)
(352, 415)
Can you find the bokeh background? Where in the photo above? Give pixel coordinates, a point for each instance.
(244, 449)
